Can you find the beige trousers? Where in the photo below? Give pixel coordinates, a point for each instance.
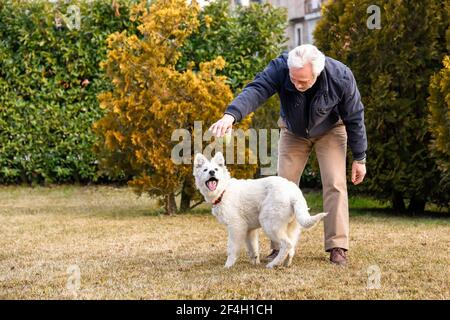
(331, 152)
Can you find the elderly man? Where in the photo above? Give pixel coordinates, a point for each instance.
(320, 107)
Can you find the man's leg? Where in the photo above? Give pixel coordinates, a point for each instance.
(331, 151)
(293, 153)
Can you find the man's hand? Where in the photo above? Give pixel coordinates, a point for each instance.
(220, 127)
(358, 172)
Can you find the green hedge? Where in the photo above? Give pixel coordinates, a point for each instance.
(49, 79)
(439, 126)
(392, 66)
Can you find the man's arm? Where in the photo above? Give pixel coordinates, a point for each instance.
(265, 84)
(351, 111)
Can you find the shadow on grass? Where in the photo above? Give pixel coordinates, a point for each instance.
(360, 205)
(381, 213)
(389, 213)
(153, 212)
(363, 205)
(129, 212)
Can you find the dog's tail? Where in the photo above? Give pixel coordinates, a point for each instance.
(302, 214)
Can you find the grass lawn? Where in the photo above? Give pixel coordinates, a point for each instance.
(125, 250)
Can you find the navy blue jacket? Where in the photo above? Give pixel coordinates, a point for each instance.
(337, 97)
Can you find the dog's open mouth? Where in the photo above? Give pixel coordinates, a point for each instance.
(211, 184)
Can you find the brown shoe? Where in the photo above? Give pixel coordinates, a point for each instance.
(338, 256)
(272, 255)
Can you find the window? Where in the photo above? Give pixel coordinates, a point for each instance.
(312, 6)
(298, 35)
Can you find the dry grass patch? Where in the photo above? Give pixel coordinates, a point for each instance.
(125, 250)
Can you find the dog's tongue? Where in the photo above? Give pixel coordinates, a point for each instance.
(211, 185)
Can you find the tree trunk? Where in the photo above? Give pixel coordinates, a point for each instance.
(397, 202)
(185, 196)
(416, 206)
(170, 205)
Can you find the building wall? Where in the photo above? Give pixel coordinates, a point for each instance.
(302, 18)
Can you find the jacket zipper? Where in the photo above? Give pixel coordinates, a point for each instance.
(309, 111)
(309, 115)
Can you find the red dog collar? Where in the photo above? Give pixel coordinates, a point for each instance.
(217, 201)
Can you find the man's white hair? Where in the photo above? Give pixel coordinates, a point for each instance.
(307, 53)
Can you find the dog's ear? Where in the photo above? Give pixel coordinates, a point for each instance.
(199, 160)
(219, 159)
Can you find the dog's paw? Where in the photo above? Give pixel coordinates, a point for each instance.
(287, 262)
(254, 261)
(271, 265)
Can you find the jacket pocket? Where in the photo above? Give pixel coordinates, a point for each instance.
(321, 111)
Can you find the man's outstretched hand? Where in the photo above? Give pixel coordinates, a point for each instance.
(223, 125)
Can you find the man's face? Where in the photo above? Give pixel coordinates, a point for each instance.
(302, 78)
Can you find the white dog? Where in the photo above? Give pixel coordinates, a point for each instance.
(273, 203)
